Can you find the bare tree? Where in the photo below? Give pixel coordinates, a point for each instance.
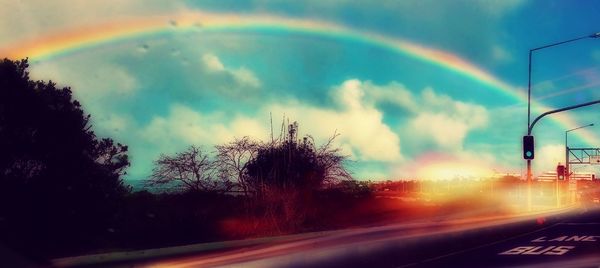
(232, 160)
(191, 170)
(332, 161)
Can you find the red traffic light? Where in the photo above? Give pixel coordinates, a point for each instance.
(560, 172)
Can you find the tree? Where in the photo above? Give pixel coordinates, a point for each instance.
(191, 170)
(54, 171)
(233, 158)
(293, 164)
(284, 175)
(332, 161)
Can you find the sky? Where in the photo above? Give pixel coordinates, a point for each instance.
(416, 89)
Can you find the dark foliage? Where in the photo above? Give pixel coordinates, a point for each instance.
(150, 220)
(285, 167)
(285, 175)
(293, 165)
(59, 183)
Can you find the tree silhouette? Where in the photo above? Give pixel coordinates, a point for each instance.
(285, 174)
(294, 164)
(57, 179)
(233, 158)
(190, 170)
(332, 161)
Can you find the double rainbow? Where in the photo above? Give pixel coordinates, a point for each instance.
(67, 42)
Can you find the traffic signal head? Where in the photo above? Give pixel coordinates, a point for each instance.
(560, 172)
(528, 147)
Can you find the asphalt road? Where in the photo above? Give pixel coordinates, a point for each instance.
(568, 239)
(572, 242)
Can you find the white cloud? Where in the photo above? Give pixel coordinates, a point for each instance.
(91, 83)
(184, 126)
(394, 93)
(445, 121)
(350, 94)
(212, 63)
(433, 118)
(443, 130)
(242, 76)
(246, 77)
(364, 135)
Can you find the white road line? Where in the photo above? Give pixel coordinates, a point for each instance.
(579, 223)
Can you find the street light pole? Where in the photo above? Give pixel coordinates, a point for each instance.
(529, 126)
(595, 35)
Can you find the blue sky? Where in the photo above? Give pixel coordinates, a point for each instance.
(396, 114)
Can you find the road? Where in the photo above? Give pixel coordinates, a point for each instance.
(571, 239)
(571, 242)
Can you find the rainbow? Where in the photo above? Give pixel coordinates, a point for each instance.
(69, 41)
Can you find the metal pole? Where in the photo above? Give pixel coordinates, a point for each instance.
(567, 168)
(529, 126)
(528, 185)
(558, 111)
(566, 155)
(529, 129)
(529, 92)
(557, 193)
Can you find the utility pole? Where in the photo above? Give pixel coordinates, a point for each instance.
(529, 125)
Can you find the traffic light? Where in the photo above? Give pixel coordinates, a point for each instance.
(528, 148)
(560, 172)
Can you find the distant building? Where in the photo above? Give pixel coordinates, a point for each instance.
(547, 176)
(499, 175)
(583, 176)
(551, 176)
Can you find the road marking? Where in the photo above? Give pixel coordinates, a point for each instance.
(550, 250)
(579, 223)
(574, 238)
(477, 247)
(539, 250)
(560, 250)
